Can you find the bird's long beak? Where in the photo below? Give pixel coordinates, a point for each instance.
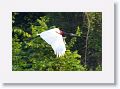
(70, 34)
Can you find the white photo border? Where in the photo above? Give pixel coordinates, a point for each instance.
(104, 76)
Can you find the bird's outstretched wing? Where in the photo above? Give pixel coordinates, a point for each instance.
(59, 47)
(55, 40)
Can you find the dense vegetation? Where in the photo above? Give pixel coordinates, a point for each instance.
(31, 53)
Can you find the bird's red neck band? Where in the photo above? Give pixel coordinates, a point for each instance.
(61, 32)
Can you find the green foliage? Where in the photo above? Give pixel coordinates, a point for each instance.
(94, 54)
(99, 68)
(40, 28)
(36, 54)
(65, 63)
(31, 53)
(78, 32)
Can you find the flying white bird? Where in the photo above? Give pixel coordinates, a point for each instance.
(54, 38)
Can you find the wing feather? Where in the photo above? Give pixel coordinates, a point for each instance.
(59, 47)
(55, 40)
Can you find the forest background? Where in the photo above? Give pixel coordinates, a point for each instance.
(84, 53)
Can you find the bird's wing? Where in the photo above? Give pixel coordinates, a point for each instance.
(59, 47)
(49, 36)
(55, 40)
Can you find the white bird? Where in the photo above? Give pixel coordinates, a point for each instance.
(54, 38)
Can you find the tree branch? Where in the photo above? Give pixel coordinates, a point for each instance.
(88, 31)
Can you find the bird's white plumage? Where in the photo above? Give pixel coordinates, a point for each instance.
(53, 38)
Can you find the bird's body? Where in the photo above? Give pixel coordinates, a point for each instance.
(54, 38)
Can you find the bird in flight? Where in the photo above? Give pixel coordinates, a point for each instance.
(54, 37)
